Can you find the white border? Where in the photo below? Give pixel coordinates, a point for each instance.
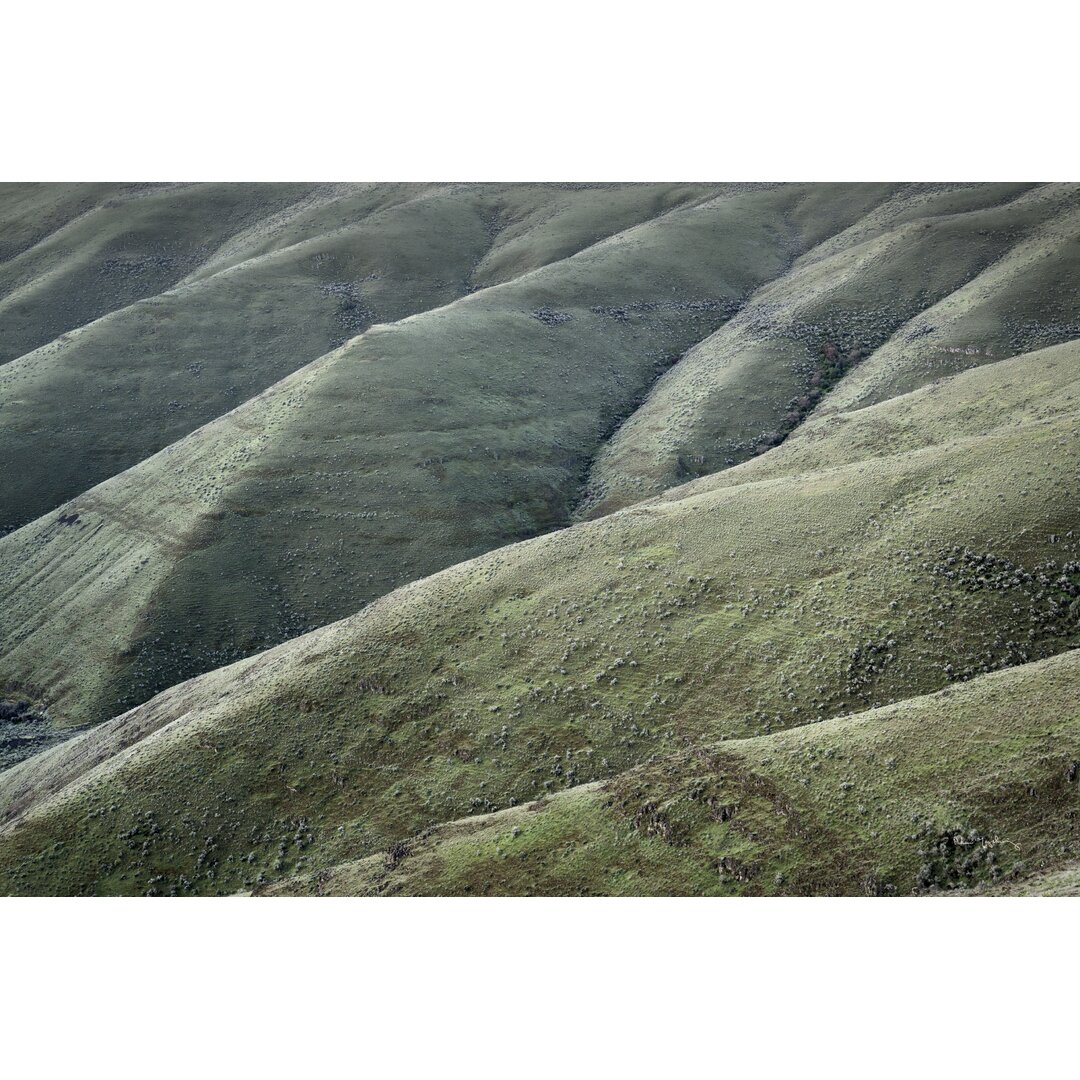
(563, 90)
(539, 988)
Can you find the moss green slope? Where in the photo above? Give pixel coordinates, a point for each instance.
(975, 785)
(416, 445)
(115, 391)
(730, 613)
(272, 297)
(1025, 300)
(131, 241)
(860, 318)
(1036, 386)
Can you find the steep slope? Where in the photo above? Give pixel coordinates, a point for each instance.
(1011, 393)
(927, 284)
(726, 613)
(413, 446)
(1061, 882)
(1025, 300)
(271, 297)
(73, 256)
(30, 212)
(979, 783)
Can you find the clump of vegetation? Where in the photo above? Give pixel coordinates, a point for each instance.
(816, 671)
(955, 858)
(552, 318)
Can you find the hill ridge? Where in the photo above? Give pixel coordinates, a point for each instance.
(359, 690)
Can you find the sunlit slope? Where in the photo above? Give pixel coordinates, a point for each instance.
(72, 256)
(116, 391)
(417, 444)
(975, 785)
(527, 225)
(732, 612)
(30, 212)
(1036, 386)
(1064, 881)
(1027, 299)
(875, 311)
(274, 296)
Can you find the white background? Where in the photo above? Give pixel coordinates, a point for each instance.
(553, 91)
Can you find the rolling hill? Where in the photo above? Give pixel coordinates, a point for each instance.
(551, 539)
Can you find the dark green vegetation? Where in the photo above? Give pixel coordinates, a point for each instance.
(837, 660)
(863, 804)
(25, 731)
(181, 304)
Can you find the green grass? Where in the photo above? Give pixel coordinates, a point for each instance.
(729, 618)
(154, 312)
(969, 789)
(812, 632)
(457, 423)
(76, 253)
(417, 444)
(877, 293)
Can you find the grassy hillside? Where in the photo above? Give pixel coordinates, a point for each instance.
(927, 284)
(30, 212)
(1062, 882)
(1025, 300)
(814, 630)
(972, 788)
(414, 445)
(209, 294)
(717, 637)
(543, 318)
(1012, 393)
(75, 253)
